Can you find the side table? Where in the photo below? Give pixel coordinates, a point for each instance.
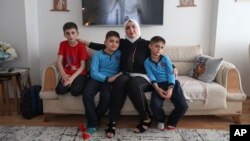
(19, 78)
(4, 95)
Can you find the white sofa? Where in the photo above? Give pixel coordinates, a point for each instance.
(224, 96)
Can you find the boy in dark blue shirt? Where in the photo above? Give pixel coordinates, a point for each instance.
(105, 69)
(160, 72)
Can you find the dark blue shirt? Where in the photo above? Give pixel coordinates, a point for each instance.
(161, 71)
(104, 65)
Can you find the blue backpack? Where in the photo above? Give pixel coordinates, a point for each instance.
(31, 105)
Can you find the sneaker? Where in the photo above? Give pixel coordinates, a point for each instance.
(87, 134)
(161, 126)
(170, 128)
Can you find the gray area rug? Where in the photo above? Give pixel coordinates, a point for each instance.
(44, 133)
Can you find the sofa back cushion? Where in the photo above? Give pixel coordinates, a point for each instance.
(183, 56)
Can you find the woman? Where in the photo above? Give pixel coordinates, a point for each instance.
(134, 81)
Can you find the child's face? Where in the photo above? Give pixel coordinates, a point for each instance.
(112, 43)
(156, 48)
(71, 34)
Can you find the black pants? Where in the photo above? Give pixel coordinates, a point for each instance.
(135, 87)
(94, 113)
(76, 88)
(177, 99)
(118, 97)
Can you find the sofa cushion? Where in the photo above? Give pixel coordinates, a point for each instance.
(205, 68)
(192, 88)
(213, 94)
(183, 67)
(71, 102)
(182, 53)
(183, 56)
(48, 95)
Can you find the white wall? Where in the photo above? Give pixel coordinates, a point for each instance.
(233, 37)
(33, 40)
(13, 29)
(18, 27)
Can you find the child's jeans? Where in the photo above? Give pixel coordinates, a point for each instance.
(93, 113)
(177, 99)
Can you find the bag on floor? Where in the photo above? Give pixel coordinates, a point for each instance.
(31, 105)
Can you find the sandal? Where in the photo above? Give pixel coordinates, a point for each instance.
(110, 130)
(143, 126)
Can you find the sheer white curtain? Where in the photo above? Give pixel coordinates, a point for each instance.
(109, 11)
(131, 9)
(115, 11)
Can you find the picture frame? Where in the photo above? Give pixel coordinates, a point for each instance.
(186, 3)
(60, 5)
(116, 12)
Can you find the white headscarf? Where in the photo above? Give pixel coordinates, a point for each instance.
(132, 40)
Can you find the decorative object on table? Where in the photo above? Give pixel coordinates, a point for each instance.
(7, 52)
(59, 5)
(186, 3)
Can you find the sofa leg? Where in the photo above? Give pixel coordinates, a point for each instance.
(236, 119)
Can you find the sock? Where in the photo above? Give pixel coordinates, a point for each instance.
(161, 126)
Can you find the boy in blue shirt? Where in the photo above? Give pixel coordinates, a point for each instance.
(105, 69)
(160, 72)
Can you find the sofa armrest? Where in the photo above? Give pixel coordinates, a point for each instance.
(49, 81)
(229, 77)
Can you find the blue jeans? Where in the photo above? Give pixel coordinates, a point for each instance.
(94, 114)
(177, 99)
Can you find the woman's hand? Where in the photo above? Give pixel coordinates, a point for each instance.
(113, 78)
(84, 41)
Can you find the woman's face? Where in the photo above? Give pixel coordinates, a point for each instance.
(131, 30)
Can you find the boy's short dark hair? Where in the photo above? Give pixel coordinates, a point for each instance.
(69, 25)
(112, 33)
(157, 39)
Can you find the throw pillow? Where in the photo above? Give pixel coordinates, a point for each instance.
(205, 68)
